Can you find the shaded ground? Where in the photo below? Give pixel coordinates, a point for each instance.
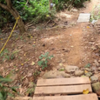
(69, 42)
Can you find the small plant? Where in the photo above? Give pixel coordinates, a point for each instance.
(43, 60)
(30, 91)
(88, 65)
(36, 73)
(7, 55)
(95, 14)
(5, 89)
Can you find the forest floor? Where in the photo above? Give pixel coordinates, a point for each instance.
(71, 43)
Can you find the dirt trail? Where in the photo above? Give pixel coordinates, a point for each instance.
(77, 53)
(90, 6)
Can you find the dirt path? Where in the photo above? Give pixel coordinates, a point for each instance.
(77, 52)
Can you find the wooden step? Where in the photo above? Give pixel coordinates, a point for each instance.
(74, 89)
(63, 81)
(64, 89)
(72, 97)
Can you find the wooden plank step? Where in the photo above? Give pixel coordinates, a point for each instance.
(63, 81)
(75, 89)
(75, 97)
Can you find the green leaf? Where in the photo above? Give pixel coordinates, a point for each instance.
(47, 53)
(1, 85)
(1, 96)
(10, 94)
(88, 65)
(14, 89)
(5, 80)
(40, 63)
(40, 57)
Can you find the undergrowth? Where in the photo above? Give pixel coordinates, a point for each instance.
(36, 10)
(5, 88)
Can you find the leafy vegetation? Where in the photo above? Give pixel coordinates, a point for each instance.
(36, 10)
(7, 55)
(5, 89)
(43, 60)
(95, 14)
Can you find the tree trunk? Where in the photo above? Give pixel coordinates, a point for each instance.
(14, 13)
(20, 22)
(50, 1)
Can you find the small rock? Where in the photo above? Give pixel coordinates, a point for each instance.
(94, 21)
(50, 74)
(56, 74)
(69, 68)
(74, 10)
(93, 68)
(88, 69)
(65, 75)
(96, 87)
(88, 74)
(79, 73)
(94, 78)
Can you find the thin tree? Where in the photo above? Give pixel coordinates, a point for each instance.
(50, 7)
(14, 13)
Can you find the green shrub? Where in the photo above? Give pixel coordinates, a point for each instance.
(36, 10)
(5, 89)
(43, 60)
(62, 4)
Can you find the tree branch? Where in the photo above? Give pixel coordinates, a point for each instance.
(9, 4)
(3, 6)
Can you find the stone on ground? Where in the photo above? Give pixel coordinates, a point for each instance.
(89, 74)
(96, 87)
(94, 68)
(79, 73)
(88, 69)
(84, 17)
(55, 74)
(94, 78)
(63, 74)
(69, 68)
